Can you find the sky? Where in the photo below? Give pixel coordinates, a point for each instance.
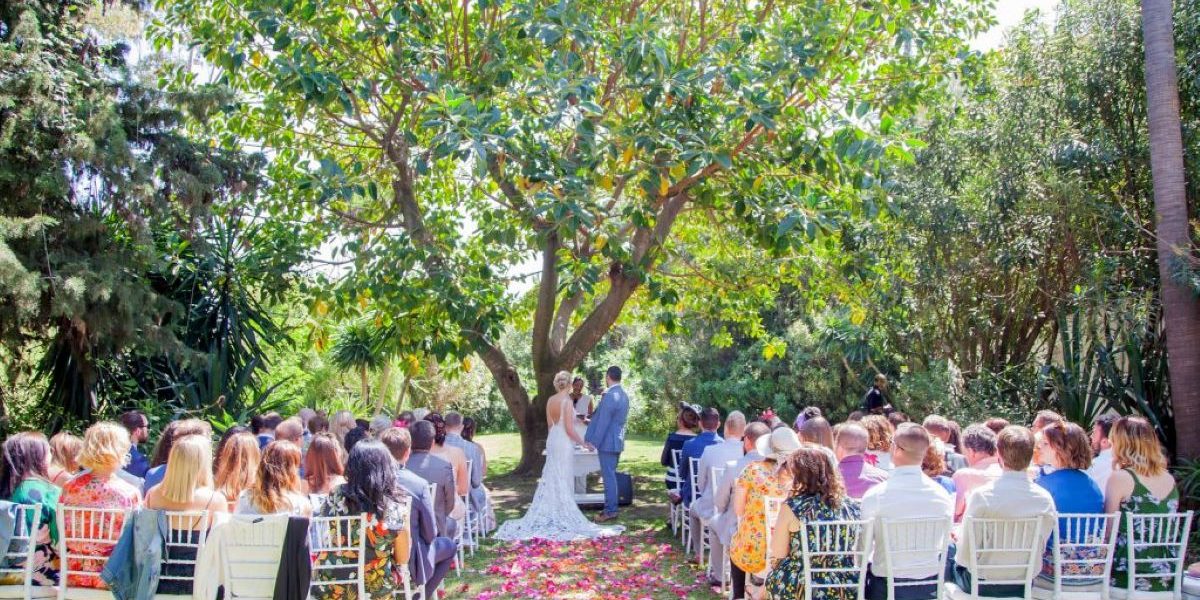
(1009, 13)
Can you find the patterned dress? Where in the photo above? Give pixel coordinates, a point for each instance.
(1143, 502)
(381, 578)
(786, 580)
(748, 549)
(89, 491)
(45, 556)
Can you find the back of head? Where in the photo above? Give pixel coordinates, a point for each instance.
(423, 433)
(896, 418)
(291, 430)
(174, 431)
(323, 460)
(353, 437)
(1015, 447)
(735, 424)
(133, 420)
(25, 455)
(813, 473)
(398, 441)
(934, 463)
(418, 414)
(817, 431)
(105, 445)
(909, 444)
(237, 464)
(318, 424)
(1135, 446)
(306, 415)
(406, 416)
(1070, 444)
(879, 433)
(852, 438)
(454, 420)
(342, 423)
(371, 485)
(468, 431)
(379, 423)
(439, 428)
(689, 418)
(996, 424)
(1045, 418)
(272, 420)
(64, 450)
(710, 419)
(562, 381)
(1105, 424)
(189, 468)
(937, 425)
(754, 431)
(614, 373)
(278, 475)
(979, 438)
(256, 424)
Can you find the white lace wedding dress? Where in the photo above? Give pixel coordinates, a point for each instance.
(553, 514)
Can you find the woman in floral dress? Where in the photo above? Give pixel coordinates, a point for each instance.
(817, 494)
(760, 480)
(371, 488)
(24, 479)
(1140, 485)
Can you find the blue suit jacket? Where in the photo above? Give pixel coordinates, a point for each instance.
(607, 429)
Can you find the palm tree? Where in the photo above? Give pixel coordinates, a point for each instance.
(357, 347)
(1180, 308)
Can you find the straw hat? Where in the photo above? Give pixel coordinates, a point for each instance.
(780, 443)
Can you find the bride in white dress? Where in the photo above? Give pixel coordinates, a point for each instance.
(553, 514)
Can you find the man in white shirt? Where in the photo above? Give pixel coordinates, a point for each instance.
(907, 494)
(723, 456)
(725, 523)
(1101, 467)
(1012, 496)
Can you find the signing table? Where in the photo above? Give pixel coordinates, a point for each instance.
(585, 462)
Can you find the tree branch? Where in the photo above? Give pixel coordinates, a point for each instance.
(544, 313)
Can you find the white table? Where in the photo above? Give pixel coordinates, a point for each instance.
(584, 463)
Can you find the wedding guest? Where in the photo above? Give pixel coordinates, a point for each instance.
(817, 431)
(1140, 484)
(319, 424)
(717, 456)
(934, 465)
(306, 416)
(276, 488)
(468, 433)
(105, 447)
(1045, 418)
(996, 424)
(406, 418)
(354, 436)
(809, 412)
(342, 423)
(1011, 496)
(1102, 465)
(64, 448)
(879, 441)
(939, 427)
(748, 548)
(907, 494)
(237, 465)
(322, 466)
(378, 424)
(435, 471)
(454, 439)
(955, 440)
(726, 522)
(979, 446)
(710, 421)
(685, 429)
(371, 489)
(858, 475)
(455, 456)
(816, 495)
(291, 430)
(1069, 453)
(432, 555)
(173, 431)
(138, 426)
(24, 479)
(187, 486)
(266, 434)
(896, 418)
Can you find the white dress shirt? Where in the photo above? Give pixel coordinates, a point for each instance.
(1011, 496)
(1101, 469)
(907, 494)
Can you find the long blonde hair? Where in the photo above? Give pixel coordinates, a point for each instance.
(189, 468)
(64, 451)
(1135, 446)
(105, 446)
(237, 465)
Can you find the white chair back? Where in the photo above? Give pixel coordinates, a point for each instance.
(693, 475)
(1161, 541)
(918, 544)
(86, 534)
(250, 557)
(186, 532)
(1083, 547)
(342, 538)
(20, 551)
(826, 546)
(771, 506)
(676, 458)
(1003, 551)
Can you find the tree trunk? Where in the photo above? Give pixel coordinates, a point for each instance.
(1180, 314)
(403, 393)
(385, 380)
(366, 385)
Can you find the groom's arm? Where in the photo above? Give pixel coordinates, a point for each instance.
(601, 422)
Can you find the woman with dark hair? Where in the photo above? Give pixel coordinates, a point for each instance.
(174, 431)
(371, 488)
(685, 429)
(817, 494)
(24, 479)
(816, 430)
(353, 437)
(322, 465)
(451, 454)
(277, 488)
(1067, 448)
(468, 433)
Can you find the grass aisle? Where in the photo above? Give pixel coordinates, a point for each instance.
(645, 562)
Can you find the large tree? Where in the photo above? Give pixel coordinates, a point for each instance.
(441, 145)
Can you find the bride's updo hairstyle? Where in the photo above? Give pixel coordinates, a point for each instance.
(562, 380)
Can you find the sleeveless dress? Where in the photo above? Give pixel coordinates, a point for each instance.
(1143, 502)
(786, 580)
(553, 515)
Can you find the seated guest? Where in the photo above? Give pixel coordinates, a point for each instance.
(105, 446)
(138, 426)
(306, 416)
(379, 423)
(685, 429)
(457, 459)
(1140, 484)
(237, 465)
(454, 439)
(435, 471)
(996, 424)
(290, 430)
(896, 418)
(354, 436)
(1102, 465)
(266, 431)
(934, 465)
(809, 412)
(187, 486)
(276, 488)
(370, 488)
(939, 427)
(879, 441)
(1068, 452)
(768, 477)
(319, 423)
(857, 475)
(341, 424)
(907, 494)
(64, 447)
(1011, 496)
(1043, 419)
(173, 431)
(710, 421)
(405, 418)
(25, 480)
(816, 495)
(979, 446)
(717, 456)
(468, 433)
(725, 523)
(817, 431)
(431, 556)
(322, 466)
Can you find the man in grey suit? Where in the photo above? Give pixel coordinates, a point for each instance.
(436, 471)
(431, 555)
(607, 434)
(703, 509)
(454, 427)
(725, 523)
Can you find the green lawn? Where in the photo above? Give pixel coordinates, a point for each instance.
(644, 563)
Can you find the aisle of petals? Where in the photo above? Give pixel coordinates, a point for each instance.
(629, 567)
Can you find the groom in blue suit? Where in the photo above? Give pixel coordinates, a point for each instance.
(606, 433)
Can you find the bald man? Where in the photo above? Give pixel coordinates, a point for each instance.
(851, 449)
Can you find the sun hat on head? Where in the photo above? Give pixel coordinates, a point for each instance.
(689, 406)
(781, 441)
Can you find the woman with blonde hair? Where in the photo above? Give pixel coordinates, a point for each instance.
(64, 448)
(342, 423)
(237, 465)
(879, 441)
(187, 486)
(277, 488)
(105, 448)
(1140, 484)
